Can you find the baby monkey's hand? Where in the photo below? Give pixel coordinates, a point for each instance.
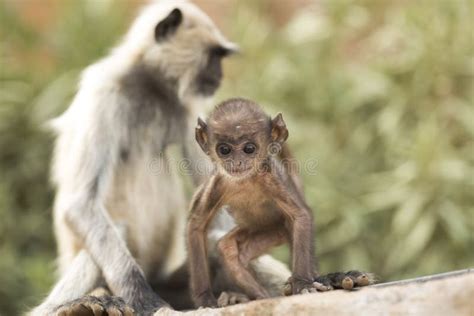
(206, 299)
(302, 286)
(331, 281)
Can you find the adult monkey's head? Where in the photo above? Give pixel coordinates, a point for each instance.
(181, 42)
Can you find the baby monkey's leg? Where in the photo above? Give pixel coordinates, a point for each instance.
(237, 248)
(253, 245)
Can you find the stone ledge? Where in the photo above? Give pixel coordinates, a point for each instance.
(446, 294)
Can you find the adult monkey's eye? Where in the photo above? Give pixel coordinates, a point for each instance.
(249, 148)
(224, 149)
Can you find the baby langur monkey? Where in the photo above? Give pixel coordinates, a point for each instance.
(264, 200)
(260, 195)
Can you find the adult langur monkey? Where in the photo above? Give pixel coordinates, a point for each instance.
(118, 223)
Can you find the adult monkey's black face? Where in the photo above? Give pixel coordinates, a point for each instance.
(193, 50)
(209, 78)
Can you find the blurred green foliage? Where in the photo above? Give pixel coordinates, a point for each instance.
(380, 93)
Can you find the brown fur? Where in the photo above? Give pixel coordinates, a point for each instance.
(265, 202)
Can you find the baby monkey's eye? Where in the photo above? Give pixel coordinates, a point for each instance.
(224, 149)
(249, 148)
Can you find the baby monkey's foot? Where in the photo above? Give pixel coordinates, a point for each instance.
(231, 298)
(95, 306)
(346, 280)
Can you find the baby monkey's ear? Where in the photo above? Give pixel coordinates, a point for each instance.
(201, 135)
(279, 130)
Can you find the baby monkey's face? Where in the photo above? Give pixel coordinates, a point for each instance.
(242, 156)
(240, 138)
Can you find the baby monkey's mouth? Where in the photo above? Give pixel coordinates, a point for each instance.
(238, 170)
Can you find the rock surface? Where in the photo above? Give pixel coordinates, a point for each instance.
(446, 295)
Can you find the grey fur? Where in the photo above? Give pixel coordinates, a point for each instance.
(116, 221)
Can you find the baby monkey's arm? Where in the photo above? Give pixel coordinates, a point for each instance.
(299, 222)
(203, 209)
(291, 166)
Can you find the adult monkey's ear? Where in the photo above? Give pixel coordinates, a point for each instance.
(279, 131)
(168, 25)
(201, 135)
